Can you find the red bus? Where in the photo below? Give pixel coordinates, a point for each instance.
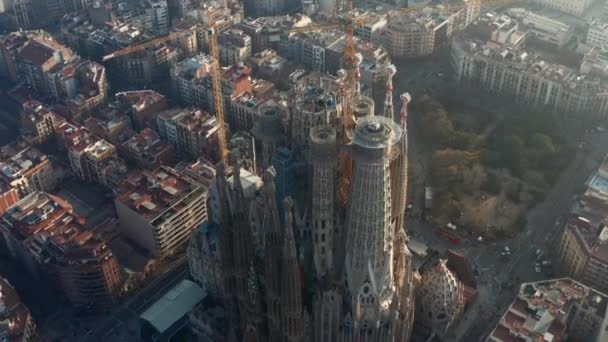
(449, 235)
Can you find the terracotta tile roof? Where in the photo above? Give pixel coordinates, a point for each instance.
(36, 53)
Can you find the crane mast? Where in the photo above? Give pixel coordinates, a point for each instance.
(350, 94)
(218, 98)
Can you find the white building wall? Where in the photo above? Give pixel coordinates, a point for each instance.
(136, 227)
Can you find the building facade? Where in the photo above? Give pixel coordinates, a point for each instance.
(16, 321)
(45, 237)
(26, 169)
(160, 209)
(574, 7)
(422, 32)
(583, 252)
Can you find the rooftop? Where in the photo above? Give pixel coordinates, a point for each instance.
(193, 67)
(277, 22)
(66, 241)
(195, 121)
(147, 144)
(35, 112)
(34, 213)
(174, 305)
(41, 49)
(426, 17)
(543, 310)
(100, 150)
(140, 99)
(17, 160)
(202, 171)
(156, 195)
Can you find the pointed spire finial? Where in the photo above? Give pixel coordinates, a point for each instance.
(406, 98)
(391, 70)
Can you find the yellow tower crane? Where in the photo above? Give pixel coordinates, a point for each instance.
(218, 99)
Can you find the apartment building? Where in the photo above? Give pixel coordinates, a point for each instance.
(9, 48)
(215, 12)
(583, 249)
(595, 62)
(149, 67)
(265, 8)
(53, 70)
(45, 237)
(269, 65)
(91, 159)
(25, 14)
(147, 150)
(38, 121)
(16, 321)
(101, 163)
(538, 27)
(81, 85)
(93, 39)
(309, 48)
(191, 132)
(31, 215)
(183, 76)
(234, 46)
(371, 31)
(574, 7)
(26, 169)
(142, 106)
(80, 263)
(151, 15)
(510, 69)
(248, 106)
(556, 310)
(420, 33)
(35, 56)
(201, 171)
(261, 30)
(83, 32)
(8, 197)
(160, 209)
(597, 34)
(192, 82)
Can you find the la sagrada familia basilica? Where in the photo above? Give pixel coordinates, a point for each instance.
(332, 263)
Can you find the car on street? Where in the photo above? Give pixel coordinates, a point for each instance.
(537, 268)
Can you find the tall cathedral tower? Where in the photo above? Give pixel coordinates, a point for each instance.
(369, 245)
(291, 290)
(242, 296)
(323, 158)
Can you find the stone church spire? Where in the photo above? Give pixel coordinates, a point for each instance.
(369, 257)
(323, 158)
(291, 291)
(273, 244)
(226, 250)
